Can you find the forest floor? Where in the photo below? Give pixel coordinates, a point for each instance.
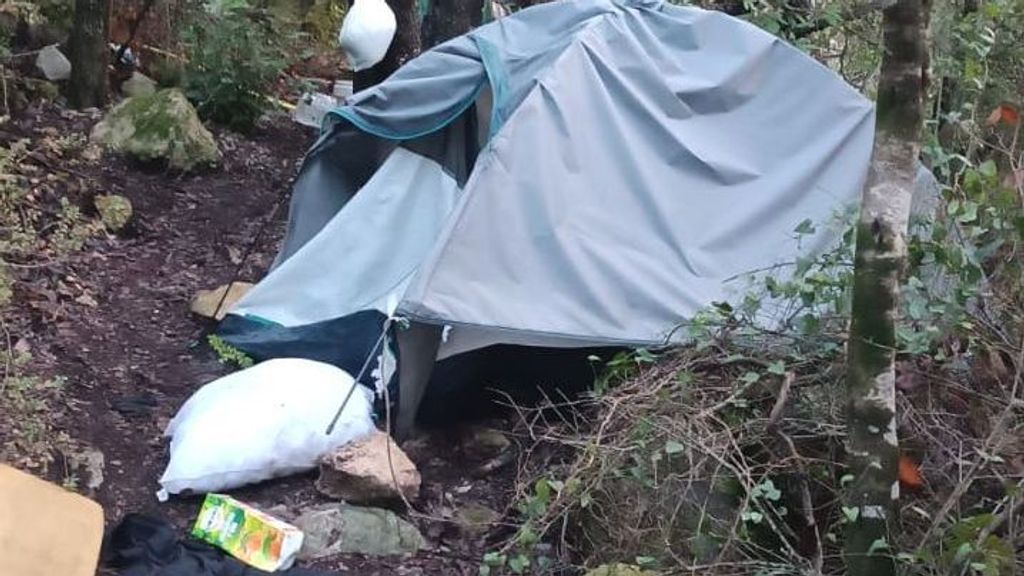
(118, 328)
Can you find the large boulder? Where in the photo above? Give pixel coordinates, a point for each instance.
(53, 64)
(162, 126)
(361, 472)
(333, 529)
(138, 85)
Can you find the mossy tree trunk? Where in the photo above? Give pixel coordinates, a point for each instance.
(447, 19)
(404, 47)
(89, 54)
(873, 450)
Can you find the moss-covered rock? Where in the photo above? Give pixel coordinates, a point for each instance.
(138, 85)
(158, 127)
(115, 210)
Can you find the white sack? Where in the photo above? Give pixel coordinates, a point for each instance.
(260, 423)
(366, 33)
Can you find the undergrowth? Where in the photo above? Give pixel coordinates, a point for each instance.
(725, 456)
(40, 227)
(235, 53)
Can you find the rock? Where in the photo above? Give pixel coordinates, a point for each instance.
(359, 472)
(160, 127)
(92, 463)
(206, 301)
(115, 210)
(53, 64)
(482, 444)
(332, 529)
(475, 519)
(138, 85)
(620, 570)
(419, 449)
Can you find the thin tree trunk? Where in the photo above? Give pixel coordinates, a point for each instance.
(447, 19)
(404, 47)
(88, 86)
(880, 256)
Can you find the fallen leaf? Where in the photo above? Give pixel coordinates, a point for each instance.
(910, 476)
(1003, 113)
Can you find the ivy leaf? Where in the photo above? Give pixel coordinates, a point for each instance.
(752, 516)
(673, 447)
(750, 377)
(518, 564)
(851, 513)
(878, 546)
(969, 213)
(805, 227)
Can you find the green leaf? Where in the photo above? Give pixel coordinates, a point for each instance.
(673, 447)
(778, 368)
(851, 514)
(846, 479)
(645, 561)
(988, 169)
(750, 377)
(805, 227)
(878, 546)
(752, 516)
(519, 563)
(969, 213)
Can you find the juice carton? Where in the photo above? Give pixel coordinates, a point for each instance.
(254, 537)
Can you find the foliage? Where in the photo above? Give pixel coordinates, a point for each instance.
(28, 229)
(29, 439)
(57, 12)
(235, 53)
(714, 455)
(228, 354)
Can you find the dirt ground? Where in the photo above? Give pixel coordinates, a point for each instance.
(132, 352)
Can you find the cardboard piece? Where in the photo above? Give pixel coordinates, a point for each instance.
(46, 530)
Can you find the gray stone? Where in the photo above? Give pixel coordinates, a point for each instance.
(53, 64)
(160, 127)
(138, 85)
(475, 519)
(333, 529)
(484, 443)
(92, 463)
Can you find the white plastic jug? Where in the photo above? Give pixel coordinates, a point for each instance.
(366, 33)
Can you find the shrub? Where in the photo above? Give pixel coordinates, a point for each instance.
(235, 53)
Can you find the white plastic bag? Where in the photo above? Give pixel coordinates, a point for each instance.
(260, 423)
(366, 33)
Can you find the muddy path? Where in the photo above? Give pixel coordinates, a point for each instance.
(132, 352)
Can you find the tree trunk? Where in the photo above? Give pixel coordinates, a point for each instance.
(404, 47)
(447, 19)
(88, 86)
(880, 256)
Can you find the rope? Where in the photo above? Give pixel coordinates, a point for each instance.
(362, 372)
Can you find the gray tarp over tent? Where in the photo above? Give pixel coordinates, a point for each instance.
(577, 174)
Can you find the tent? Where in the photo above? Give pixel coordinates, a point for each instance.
(580, 174)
